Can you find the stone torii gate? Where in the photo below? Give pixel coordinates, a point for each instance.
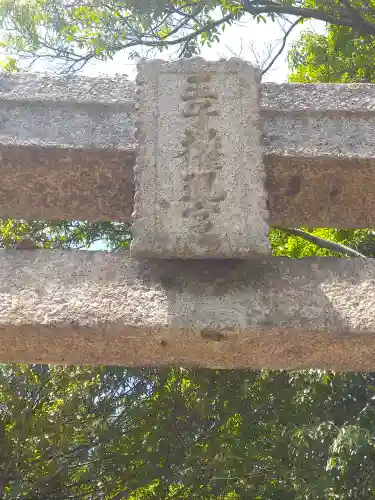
(203, 159)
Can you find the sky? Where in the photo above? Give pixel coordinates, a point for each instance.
(249, 40)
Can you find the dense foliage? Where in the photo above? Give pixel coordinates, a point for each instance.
(337, 57)
(111, 433)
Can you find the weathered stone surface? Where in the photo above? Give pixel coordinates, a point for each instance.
(93, 307)
(70, 140)
(199, 178)
(66, 183)
(319, 120)
(320, 192)
(319, 154)
(97, 185)
(357, 98)
(66, 147)
(73, 89)
(80, 112)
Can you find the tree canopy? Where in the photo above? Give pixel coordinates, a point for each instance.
(339, 56)
(77, 31)
(111, 433)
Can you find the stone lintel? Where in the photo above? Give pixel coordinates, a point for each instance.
(31, 88)
(70, 139)
(92, 308)
(329, 98)
(199, 177)
(66, 147)
(67, 112)
(319, 145)
(64, 183)
(317, 121)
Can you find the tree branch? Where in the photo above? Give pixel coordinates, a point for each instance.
(180, 18)
(162, 43)
(269, 7)
(287, 33)
(261, 7)
(323, 243)
(358, 18)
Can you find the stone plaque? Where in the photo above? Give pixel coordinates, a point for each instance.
(199, 177)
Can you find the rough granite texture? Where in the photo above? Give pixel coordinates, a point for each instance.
(319, 154)
(199, 177)
(73, 89)
(319, 120)
(67, 150)
(318, 97)
(66, 183)
(320, 192)
(93, 307)
(66, 147)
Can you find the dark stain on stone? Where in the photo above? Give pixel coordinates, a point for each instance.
(213, 335)
(334, 191)
(294, 185)
(164, 204)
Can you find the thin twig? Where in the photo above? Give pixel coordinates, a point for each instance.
(323, 243)
(285, 37)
